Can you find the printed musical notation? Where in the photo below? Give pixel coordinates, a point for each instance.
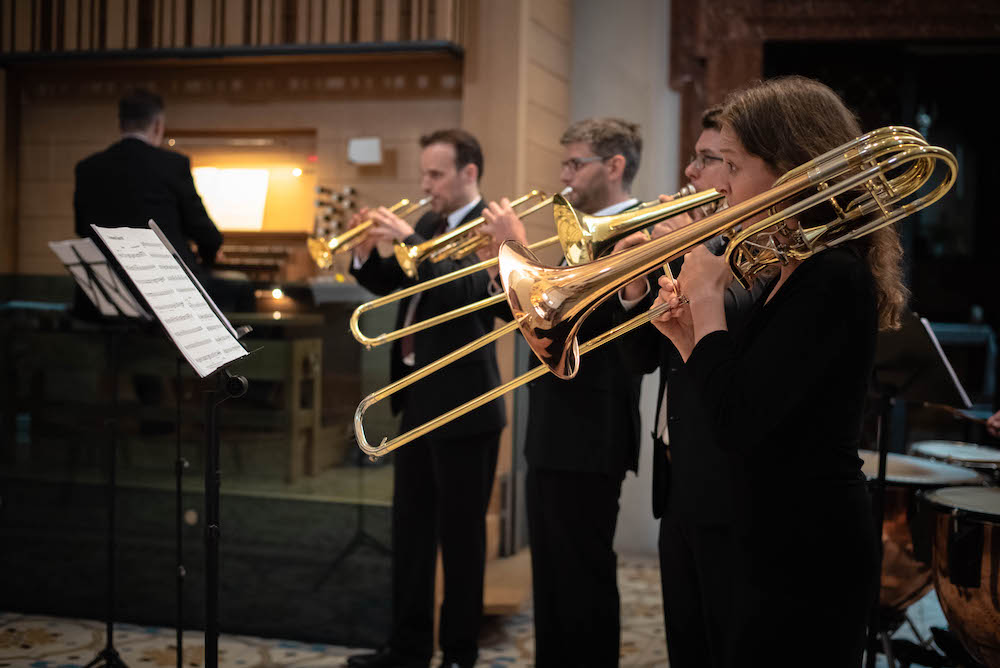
(203, 335)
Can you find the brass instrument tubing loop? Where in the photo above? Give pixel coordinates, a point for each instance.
(386, 446)
(372, 341)
(616, 224)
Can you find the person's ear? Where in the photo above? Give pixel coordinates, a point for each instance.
(616, 167)
(159, 128)
(470, 174)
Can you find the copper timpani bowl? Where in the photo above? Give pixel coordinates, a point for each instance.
(906, 560)
(966, 567)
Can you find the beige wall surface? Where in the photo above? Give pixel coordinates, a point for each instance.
(516, 95)
(515, 99)
(620, 69)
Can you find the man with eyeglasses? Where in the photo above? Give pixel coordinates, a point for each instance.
(693, 607)
(583, 434)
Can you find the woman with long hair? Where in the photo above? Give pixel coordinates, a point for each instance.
(779, 407)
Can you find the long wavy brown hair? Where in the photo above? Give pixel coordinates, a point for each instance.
(790, 120)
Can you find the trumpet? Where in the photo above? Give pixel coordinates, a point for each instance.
(583, 239)
(458, 243)
(322, 250)
(886, 168)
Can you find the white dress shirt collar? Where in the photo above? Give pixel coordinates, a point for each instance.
(617, 208)
(456, 216)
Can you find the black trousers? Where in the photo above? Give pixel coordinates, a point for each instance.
(571, 524)
(697, 592)
(442, 489)
(790, 588)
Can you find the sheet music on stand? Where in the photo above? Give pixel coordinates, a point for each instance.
(88, 266)
(202, 334)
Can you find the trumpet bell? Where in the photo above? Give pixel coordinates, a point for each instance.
(322, 250)
(319, 251)
(585, 238)
(408, 257)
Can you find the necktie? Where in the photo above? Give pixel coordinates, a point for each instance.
(406, 345)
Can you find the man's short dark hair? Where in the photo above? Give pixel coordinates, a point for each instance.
(608, 137)
(137, 109)
(467, 149)
(711, 118)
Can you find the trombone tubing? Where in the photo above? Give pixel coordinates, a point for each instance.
(370, 342)
(672, 245)
(543, 301)
(923, 153)
(702, 231)
(386, 446)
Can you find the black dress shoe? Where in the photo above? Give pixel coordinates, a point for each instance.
(384, 658)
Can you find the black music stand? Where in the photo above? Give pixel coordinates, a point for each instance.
(118, 310)
(911, 366)
(180, 465)
(146, 261)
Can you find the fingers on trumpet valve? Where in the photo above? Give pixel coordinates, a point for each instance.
(502, 223)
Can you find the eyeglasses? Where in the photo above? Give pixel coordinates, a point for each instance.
(574, 164)
(701, 160)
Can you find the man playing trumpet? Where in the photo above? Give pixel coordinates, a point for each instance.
(442, 482)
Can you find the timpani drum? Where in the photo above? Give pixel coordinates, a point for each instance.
(906, 553)
(966, 565)
(978, 457)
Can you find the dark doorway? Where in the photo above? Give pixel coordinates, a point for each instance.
(940, 89)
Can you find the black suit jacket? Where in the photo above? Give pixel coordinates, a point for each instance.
(705, 492)
(462, 380)
(132, 182)
(589, 423)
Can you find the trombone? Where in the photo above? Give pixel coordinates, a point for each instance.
(583, 238)
(886, 169)
(322, 250)
(456, 244)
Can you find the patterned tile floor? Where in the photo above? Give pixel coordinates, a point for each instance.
(35, 641)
